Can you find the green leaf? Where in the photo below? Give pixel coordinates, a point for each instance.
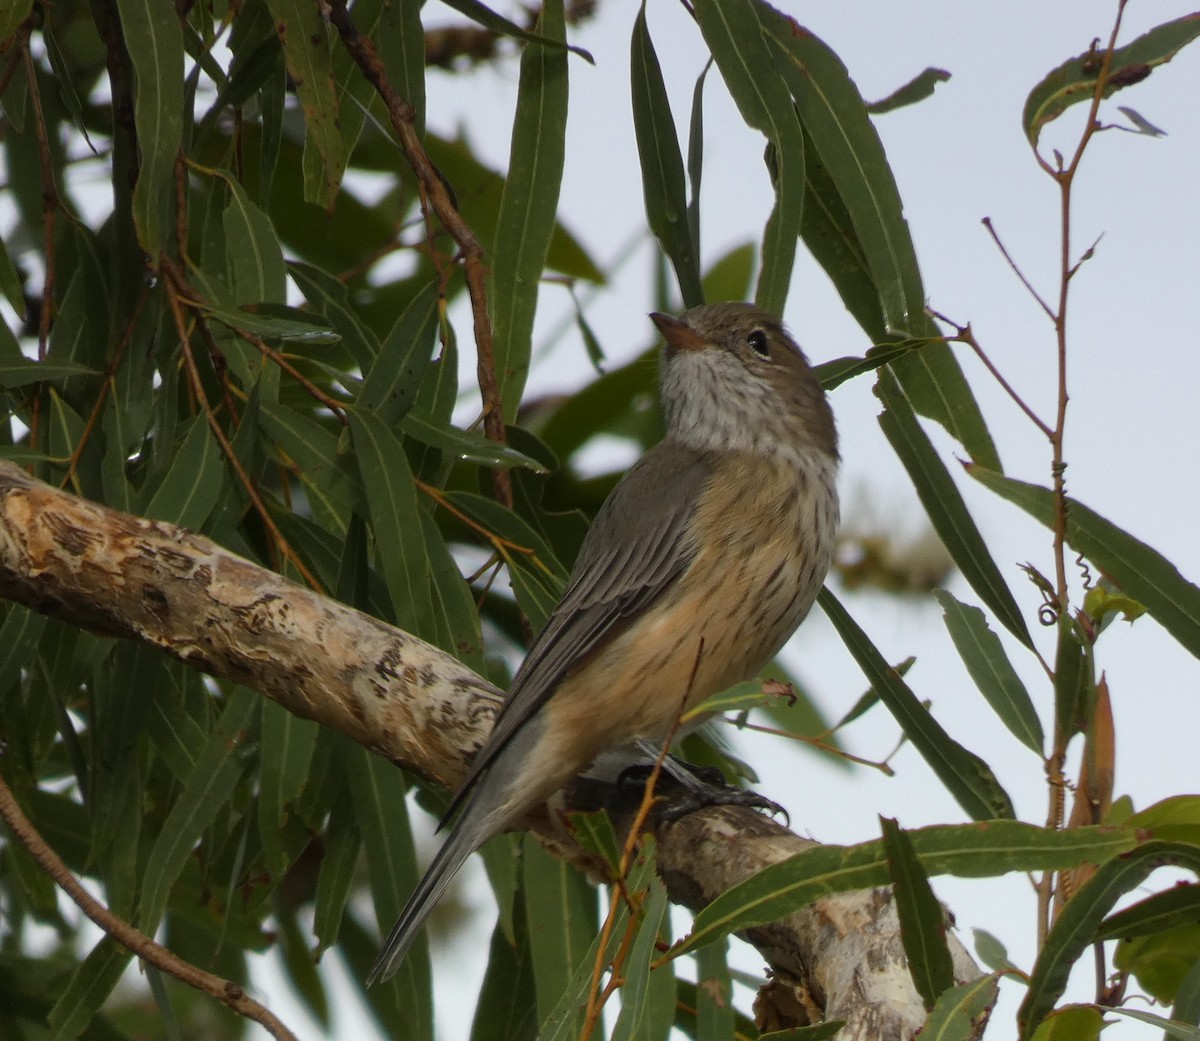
(922, 920)
(400, 40)
(715, 1013)
(178, 723)
(982, 850)
(620, 402)
(729, 276)
(253, 254)
(10, 278)
(648, 996)
(154, 42)
(1176, 817)
(560, 923)
(23, 373)
(560, 1024)
(837, 371)
(1075, 80)
(955, 1013)
(983, 654)
(1074, 680)
(596, 835)
(298, 962)
(19, 635)
(11, 17)
(89, 988)
(828, 232)
(1142, 572)
(480, 190)
(1162, 911)
(459, 631)
(343, 843)
(664, 187)
(506, 1010)
(917, 89)
(285, 752)
(816, 1032)
(1081, 916)
(1160, 961)
(188, 493)
(695, 169)
(209, 784)
(378, 791)
(276, 322)
(1172, 1028)
(391, 383)
(991, 951)
(1187, 998)
(1102, 605)
(860, 235)
(945, 507)
(834, 115)
(64, 429)
(1071, 1023)
(306, 445)
(967, 777)
(395, 518)
(735, 37)
(528, 205)
(305, 36)
(489, 19)
(331, 298)
(538, 577)
(465, 444)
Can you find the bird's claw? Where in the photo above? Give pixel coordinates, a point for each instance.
(687, 787)
(702, 798)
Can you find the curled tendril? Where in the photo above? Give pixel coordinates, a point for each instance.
(1048, 614)
(1084, 571)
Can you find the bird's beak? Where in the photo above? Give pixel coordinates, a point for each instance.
(679, 335)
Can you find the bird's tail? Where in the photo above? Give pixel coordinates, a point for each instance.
(493, 800)
(464, 838)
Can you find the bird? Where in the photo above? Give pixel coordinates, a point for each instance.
(698, 567)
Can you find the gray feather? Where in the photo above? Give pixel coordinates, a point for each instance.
(482, 817)
(638, 545)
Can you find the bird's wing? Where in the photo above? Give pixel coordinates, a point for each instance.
(636, 548)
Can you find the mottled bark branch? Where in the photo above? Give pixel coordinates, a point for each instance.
(125, 576)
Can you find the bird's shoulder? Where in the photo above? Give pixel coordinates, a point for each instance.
(650, 506)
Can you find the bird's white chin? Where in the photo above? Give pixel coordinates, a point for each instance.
(710, 402)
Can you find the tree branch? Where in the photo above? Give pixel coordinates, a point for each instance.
(225, 991)
(94, 567)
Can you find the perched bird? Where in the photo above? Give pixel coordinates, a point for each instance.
(698, 567)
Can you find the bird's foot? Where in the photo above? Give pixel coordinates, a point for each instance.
(687, 787)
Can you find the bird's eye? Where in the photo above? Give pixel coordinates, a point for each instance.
(759, 343)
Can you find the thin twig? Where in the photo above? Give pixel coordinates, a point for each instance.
(501, 545)
(965, 334)
(49, 205)
(110, 374)
(987, 223)
(50, 199)
(225, 991)
(175, 301)
(1064, 176)
(197, 302)
(813, 742)
(596, 1000)
(434, 194)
